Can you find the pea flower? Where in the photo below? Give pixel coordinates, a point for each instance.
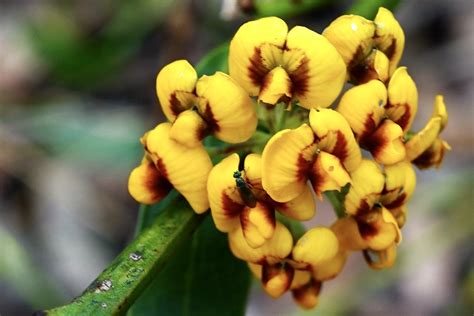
(209, 105)
(323, 153)
(370, 49)
(315, 258)
(374, 199)
(169, 164)
(237, 199)
(278, 65)
(426, 148)
(380, 116)
(276, 274)
(257, 199)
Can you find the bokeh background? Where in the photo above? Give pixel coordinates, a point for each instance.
(77, 90)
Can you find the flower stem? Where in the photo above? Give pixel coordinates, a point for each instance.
(337, 200)
(118, 286)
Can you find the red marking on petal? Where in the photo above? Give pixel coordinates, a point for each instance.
(405, 118)
(209, 118)
(303, 168)
(156, 182)
(363, 73)
(367, 230)
(175, 106)
(399, 201)
(340, 149)
(390, 51)
(230, 207)
(271, 271)
(256, 70)
(300, 78)
(313, 287)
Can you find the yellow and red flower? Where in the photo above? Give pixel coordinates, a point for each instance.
(169, 164)
(209, 105)
(323, 153)
(278, 65)
(370, 49)
(238, 200)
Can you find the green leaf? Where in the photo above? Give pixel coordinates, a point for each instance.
(285, 8)
(368, 9)
(203, 279)
(131, 272)
(215, 60)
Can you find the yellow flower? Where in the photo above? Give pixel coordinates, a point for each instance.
(315, 247)
(275, 250)
(170, 164)
(268, 262)
(276, 65)
(323, 153)
(425, 149)
(400, 183)
(209, 105)
(366, 188)
(237, 199)
(370, 49)
(380, 116)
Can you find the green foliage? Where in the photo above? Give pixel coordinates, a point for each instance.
(285, 8)
(85, 58)
(203, 279)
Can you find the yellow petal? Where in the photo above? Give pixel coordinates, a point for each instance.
(347, 232)
(256, 269)
(402, 99)
(424, 139)
(386, 143)
(379, 62)
(186, 168)
(362, 106)
(316, 69)
(229, 111)
(276, 279)
(389, 37)
(258, 224)
(374, 67)
(252, 51)
(174, 86)
(400, 183)
(273, 251)
(253, 174)
(334, 135)
(188, 129)
(329, 269)
(352, 35)
(315, 246)
(440, 111)
(433, 156)
(382, 259)
(307, 296)
(147, 185)
(286, 160)
(379, 229)
(276, 87)
(225, 201)
(300, 278)
(328, 174)
(301, 208)
(367, 183)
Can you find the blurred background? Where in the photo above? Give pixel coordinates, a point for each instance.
(77, 90)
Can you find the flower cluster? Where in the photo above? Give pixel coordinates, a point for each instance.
(359, 152)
